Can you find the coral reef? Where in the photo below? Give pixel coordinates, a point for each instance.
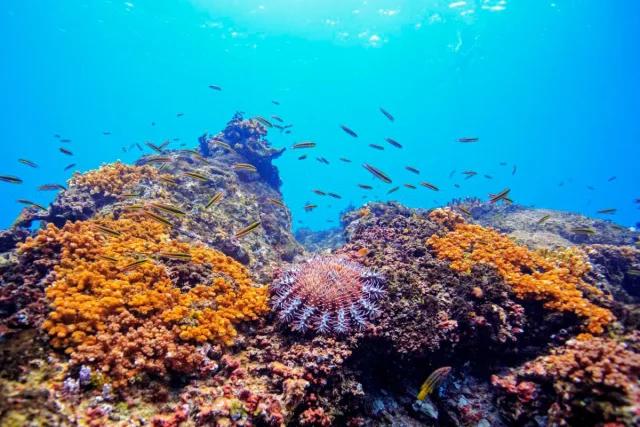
(590, 382)
(326, 294)
(555, 278)
(135, 304)
(132, 321)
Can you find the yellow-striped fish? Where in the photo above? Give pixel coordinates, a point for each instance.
(108, 258)
(176, 255)
(30, 203)
(245, 167)
(196, 175)
(169, 209)
(429, 186)
(158, 218)
(276, 202)
(306, 144)
(134, 264)
(433, 381)
(107, 230)
(168, 179)
(248, 229)
(214, 199)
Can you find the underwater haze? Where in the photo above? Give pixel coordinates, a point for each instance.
(549, 88)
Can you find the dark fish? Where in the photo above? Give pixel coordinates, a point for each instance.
(139, 146)
(412, 169)
(304, 156)
(169, 209)
(429, 186)
(488, 176)
(503, 163)
(56, 135)
(275, 102)
(513, 171)
(590, 187)
(365, 187)
(51, 187)
(287, 126)
(30, 203)
(320, 192)
(411, 186)
(65, 151)
(465, 211)
(279, 127)
(214, 199)
(609, 211)
(349, 131)
(106, 133)
(154, 147)
(502, 195)
(543, 219)
(393, 142)
(393, 190)
(585, 231)
(334, 195)
(248, 229)
(179, 114)
(163, 145)
(322, 160)
(244, 167)
(452, 173)
(287, 132)
(376, 146)
(69, 166)
(309, 208)
(387, 114)
(107, 230)
(456, 185)
(306, 144)
(277, 118)
(433, 381)
(263, 121)
(470, 174)
(344, 159)
(468, 139)
(10, 179)
(215, 87)
(377, 173)
(613, 178)
(28, 163)
(65, 140)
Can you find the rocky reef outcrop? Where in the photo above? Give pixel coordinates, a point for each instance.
(172, 292)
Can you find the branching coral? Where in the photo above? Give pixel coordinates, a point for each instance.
(555, 278)
(327, 294)
(112, 179)
(101, 302)
(591, 382)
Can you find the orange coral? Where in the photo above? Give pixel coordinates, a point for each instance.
(93, 287)
(112, 179)
(552, 277)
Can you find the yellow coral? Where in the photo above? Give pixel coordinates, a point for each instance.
(88, 287)
(113, 179)
(552, 277)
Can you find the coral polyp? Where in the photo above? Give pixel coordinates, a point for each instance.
(327, 294)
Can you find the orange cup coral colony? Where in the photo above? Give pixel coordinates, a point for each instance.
(112, 179)
(552, 277)
(114, 269)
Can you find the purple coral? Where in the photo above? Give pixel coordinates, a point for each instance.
(327, 294)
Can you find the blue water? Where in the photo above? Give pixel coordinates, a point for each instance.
(549, 86)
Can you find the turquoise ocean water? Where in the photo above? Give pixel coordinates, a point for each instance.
(550, 87)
